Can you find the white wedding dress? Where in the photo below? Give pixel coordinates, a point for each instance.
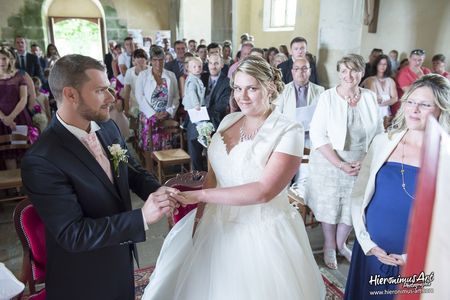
(252, 252)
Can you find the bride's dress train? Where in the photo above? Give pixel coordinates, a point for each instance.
(241, 252)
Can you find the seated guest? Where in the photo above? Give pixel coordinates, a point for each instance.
(218, 90)
(270, 54)
(13, 100)
(177, 65)
(407, 75)
(214, 48)
(343, 126)
(202, 52)
(393, 57)
(284, 49)
(439, 65)
(299, 47)
(131, 106)
(278, 59)
(384, 191)
(227, 54)
(52, 55)
(42, 115)
(369, 70)
(383, 85)
(246, 48)
(36, 50)
(125, 59)
(158, 98)
(108, 58)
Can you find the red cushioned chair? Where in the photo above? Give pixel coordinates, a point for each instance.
(31, 232)
(190, 181)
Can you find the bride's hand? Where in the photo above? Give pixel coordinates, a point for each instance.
(190, 197)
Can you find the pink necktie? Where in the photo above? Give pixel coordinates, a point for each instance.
(93, 144)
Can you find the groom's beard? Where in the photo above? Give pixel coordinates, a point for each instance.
(100, 115)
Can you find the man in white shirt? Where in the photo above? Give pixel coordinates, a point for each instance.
(125, 59)
(299, 93)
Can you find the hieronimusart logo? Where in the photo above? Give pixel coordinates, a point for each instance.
(415, 281)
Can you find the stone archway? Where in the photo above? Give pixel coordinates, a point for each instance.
(59, 10)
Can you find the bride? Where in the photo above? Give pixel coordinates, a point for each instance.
(250, 243)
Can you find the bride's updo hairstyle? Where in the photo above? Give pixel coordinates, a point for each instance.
(266, 75)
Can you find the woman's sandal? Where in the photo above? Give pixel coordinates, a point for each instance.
(329, 257)
(345, 252)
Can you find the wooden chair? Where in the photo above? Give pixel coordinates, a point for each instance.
(299, 203)
(11, 179)
(31, 232)
(185, 182)
(170, 157)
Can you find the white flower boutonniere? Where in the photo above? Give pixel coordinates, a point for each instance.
(118, 155)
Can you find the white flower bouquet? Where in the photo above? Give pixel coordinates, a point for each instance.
(205, 130)
(40, 120)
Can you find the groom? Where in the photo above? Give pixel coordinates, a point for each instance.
(83, 198)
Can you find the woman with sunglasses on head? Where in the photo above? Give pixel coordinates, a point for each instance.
(406, 76)
(385, 189)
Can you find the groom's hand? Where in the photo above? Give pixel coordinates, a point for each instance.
(162, 202)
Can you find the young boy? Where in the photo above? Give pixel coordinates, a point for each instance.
(193, 87)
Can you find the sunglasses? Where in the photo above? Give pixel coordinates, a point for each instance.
(418, 52)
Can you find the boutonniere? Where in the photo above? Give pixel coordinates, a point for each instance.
(205, 130)
(118, 155)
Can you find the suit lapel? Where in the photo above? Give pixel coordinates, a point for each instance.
(73, 145)
(121, 180)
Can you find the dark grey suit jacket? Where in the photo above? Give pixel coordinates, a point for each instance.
(174, 67)
(90, 225)
(32, 65)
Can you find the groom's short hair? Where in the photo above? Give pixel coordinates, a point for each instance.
(70, 70)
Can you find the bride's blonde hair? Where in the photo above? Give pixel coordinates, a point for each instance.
(267, 76)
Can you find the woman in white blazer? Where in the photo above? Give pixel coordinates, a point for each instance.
(344, 123)
(158, 99)
(384, 190)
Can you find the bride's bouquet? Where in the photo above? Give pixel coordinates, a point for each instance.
(205, 130)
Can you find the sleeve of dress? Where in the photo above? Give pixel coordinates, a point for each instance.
(22, 80)
(291, 140)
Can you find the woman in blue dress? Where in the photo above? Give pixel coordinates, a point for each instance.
(384, 191)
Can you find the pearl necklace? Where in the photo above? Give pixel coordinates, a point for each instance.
(402, 171)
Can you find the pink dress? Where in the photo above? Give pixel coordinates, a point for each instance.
(9, 97)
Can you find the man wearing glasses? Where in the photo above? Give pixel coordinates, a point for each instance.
(300, 92)
(406, 76)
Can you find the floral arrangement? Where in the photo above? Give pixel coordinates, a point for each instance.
(118, 155)
(205, 130)
(39, 118)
